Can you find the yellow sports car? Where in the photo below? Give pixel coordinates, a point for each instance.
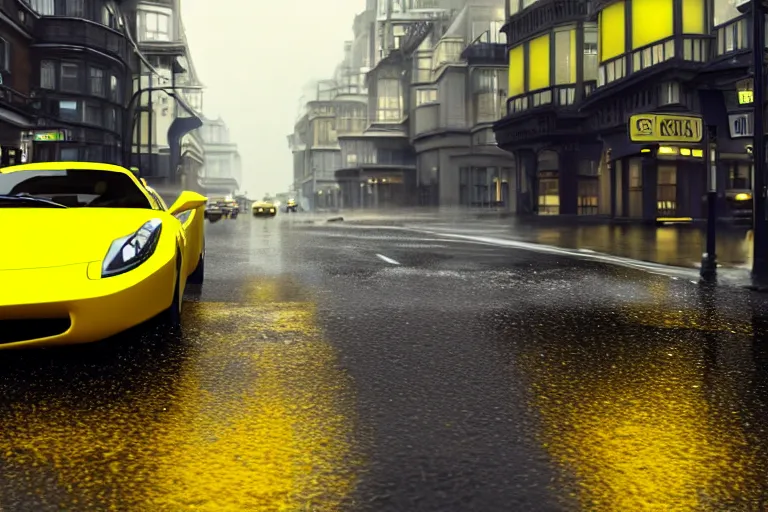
(90, 251)
(261, 208)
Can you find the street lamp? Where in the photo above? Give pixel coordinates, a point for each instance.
(130, 119)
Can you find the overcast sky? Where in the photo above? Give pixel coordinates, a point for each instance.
(254, 57)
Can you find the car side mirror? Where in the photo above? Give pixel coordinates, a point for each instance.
(186, 201)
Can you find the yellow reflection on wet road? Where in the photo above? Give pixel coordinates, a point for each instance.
(258, 417)
(638, 431)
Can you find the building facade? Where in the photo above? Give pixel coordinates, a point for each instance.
(418, 128)
(579, 72)
(458, 88)
(17, 28)
(222, 172)
(167, 98)
(80, 60)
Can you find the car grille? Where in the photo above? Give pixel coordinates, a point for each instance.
(12, 331)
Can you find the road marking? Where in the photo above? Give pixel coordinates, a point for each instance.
(388, 260)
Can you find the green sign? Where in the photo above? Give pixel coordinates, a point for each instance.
(50, 136)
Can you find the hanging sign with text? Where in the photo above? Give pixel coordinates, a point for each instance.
(665, 128)
(740, 125)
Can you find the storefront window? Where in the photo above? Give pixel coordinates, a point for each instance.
(549, 194)
(666, 191)
(588, 195)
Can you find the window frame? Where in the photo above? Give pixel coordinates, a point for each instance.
(52, 74)
(78, 109)
(62, 78)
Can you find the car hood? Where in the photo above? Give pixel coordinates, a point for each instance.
(52, 237)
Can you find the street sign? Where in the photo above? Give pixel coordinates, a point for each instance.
(740, 125)
(665, 128)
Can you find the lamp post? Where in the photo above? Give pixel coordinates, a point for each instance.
(130, 119)
(709, 259)
(760, 236)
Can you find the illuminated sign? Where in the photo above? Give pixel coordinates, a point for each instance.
(746, 97)
(51, 136)
(665, 128)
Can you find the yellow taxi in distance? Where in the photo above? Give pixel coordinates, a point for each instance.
(95, 252)
(264, 209)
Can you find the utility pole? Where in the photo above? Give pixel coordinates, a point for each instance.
(760, 235)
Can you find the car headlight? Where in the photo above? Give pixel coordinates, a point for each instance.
(130, 251)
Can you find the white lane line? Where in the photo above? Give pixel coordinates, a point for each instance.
(388, 260)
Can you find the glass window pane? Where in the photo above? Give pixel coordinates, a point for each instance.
(563, 57)
(725, 11)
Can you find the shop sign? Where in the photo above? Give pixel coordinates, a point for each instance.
(665, 128)
(740, 125)
(49, 136)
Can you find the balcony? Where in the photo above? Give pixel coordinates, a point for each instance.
(485, 53)
(542, 16)
(20, 14)
(80, 32)
(15, 100)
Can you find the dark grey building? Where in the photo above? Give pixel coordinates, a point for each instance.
(17, 27)
(80, 81)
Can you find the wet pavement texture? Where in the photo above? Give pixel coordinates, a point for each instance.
(327, 367)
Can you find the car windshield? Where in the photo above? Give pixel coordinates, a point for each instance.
(76, 188)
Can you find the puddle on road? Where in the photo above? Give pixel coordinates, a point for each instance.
(256, 416)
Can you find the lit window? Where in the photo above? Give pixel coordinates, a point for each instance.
(156, 26)
(425, 96)
(68, 111)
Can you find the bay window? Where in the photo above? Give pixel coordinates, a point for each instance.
(389, 100)
(69, 111)
(565, 68)
(487, 94)
(325, 135)
(47, 74)
(70, 77)
(154, 25)
(590, 63)
(425, 96)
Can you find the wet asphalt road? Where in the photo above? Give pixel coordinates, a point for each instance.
(334, 367)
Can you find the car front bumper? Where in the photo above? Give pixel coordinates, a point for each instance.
(72, 304)
(270, 212)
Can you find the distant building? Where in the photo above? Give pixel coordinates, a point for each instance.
(222, 173)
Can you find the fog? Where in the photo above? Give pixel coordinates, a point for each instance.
(254, 57)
